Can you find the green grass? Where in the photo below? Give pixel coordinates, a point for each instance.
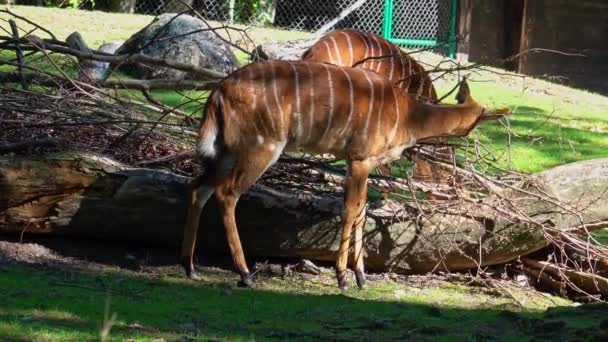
(69, 305)
(98, 27)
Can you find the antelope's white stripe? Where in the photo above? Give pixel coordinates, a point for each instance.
(390, 72)
(409, 75)
(372, 53)
(391, 135)
(402, 73)
(276, 99)
(366, 46)
(338, 55)
(329, 54)
(352, 103)
(266, 105)
(380, 109)
(297, 113)
(371, 103)
(311, 103)
(380, 53)
(254, 105)
(350, 48)
(330, 113)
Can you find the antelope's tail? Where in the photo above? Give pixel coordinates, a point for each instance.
(210, 135)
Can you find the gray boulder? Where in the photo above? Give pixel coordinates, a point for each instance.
(290, 50)
(203, 48)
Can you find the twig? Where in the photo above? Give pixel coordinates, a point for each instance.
(19, 53)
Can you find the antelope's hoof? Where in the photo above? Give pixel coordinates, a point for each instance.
(361, 282)
(341, 276)
(190, 272)
(245, 281)
(194, 276)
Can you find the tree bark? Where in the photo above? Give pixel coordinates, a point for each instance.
(84, 195)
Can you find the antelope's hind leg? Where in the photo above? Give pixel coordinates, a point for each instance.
(358, 250)
(201, 191)
(249, 166)
(353, 217)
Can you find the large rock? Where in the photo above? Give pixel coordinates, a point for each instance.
(290, 50)
(203, 48)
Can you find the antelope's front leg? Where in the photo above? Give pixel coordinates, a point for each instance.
(353, 217)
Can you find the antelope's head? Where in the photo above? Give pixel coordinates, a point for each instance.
(472, 114)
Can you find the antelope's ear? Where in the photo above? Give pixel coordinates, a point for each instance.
(464, 93)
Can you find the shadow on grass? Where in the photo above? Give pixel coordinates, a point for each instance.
(38, 303)
(544, 142)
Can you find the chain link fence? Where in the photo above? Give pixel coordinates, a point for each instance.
(410, 23)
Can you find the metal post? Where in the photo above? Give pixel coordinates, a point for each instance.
(387, 22)
(231, 11)
(453, 43)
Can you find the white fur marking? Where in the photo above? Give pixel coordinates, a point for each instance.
(402, 72)
(390, 73)
(206, 146)
(380, 53)
(371, 103)
(350, 49)
(203, 193)
(372, 53)
(276, 98)
(378, 125)
(391, 135)
(311, 102)
(330, 112)
(366, 46)
(260, 139)
(278, 149)
(338, 56)
(254, 105)
(331, 57)
(352, 103)
(297, 113)
(266, 105)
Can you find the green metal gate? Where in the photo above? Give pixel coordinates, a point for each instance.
(421, 24)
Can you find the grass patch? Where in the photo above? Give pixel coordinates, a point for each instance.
(550, 130)
(97, 27)
(69, 305)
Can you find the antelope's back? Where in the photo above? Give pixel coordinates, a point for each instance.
(350, 48)
(314, 107)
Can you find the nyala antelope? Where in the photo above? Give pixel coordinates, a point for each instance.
(366, 50)
(266, 108)
(353, 48)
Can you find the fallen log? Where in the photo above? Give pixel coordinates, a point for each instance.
(85, 195)
(588, 282)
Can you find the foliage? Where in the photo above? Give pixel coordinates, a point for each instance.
(258, 12)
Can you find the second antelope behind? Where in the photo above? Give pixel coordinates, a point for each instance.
(266, 108)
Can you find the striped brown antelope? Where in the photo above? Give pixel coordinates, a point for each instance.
(266, 108)
(365, 50)
(369, 51)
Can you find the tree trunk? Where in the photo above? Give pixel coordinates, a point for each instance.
(177, 6)
(83, 195)
(118, 6)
